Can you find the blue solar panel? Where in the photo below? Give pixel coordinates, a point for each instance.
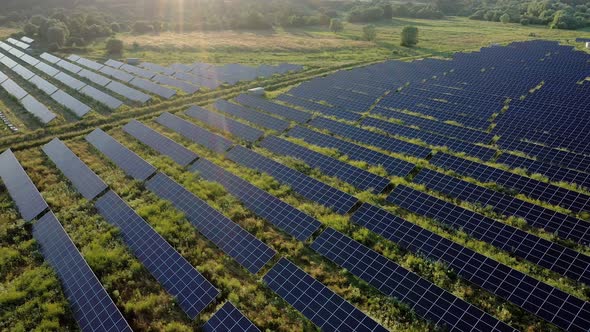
(427, 299)
(255, 117)
(160, 143)
(229, 319)
(82, 177)
(318, 303)
(545, 253)
(535, 215)
(192, 291)
(304, 185)
(20, 187)
(319, 108)
(132, 164)
(370, 138)
(92, 307)
(392, 165)
(246, 249)
(277, 212)
(273, 108)
(195, 133)
(221, 122)
(543, 300)
(353, 175)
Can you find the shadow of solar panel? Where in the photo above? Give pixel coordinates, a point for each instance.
(160, 143)
(72, 68)
(547, 254)
(221, 122)
(304, 185)
(319, 108)
(236, 242)
(284, 216)
(103, 98)
(71, 103)
(370, 138)
(47, 69)
(194, 133)
(92, 307)
(318, 303)
(428, 300)
(25, 195)
(543, 300)
(392, 165)
(258, 118)
(117, 74)
(39, 110)
(553, 222)
(568, 199)
(192, 291)
(128, 92)
(153, 88)
(43, 85)
(131, 163)
(184, 86)
(353, 175)
(69, 81)
(273, 108)
(23, 72)
(229, 319)
(84, 179)
(13, 89)
(94, 77)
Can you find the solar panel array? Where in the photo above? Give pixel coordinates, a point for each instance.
(195, 133)
(221, 122)
(257, 118)
(273, 108)
(315, 301)
(132, 164)
(284, 216)
(428, 300)
(236, 242)
(82, 177)
(192, 291)
(229, 319)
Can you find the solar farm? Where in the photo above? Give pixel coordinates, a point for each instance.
(434, 194)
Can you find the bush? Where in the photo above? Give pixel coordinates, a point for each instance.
(369, 32)
(30, 29)
(409, 36)
(525, 21)
(57, 35)
(336, 25)
(115, 27)
(505, 18)
(141, 27)
(369, 14)
(114, 46)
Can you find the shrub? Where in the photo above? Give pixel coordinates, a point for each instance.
(505, 18)
(114, 46)
(30, 29)
(369, 32)
(409, 36)
(336, 25)
(141, 27)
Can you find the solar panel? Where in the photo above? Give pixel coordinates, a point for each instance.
(73, 57)
(13, 89)
(184, 86)
(5, 46)
(25, 195)
(160, 143)
(68, 66)
(117, 74)
(114, 63)
(318, 303)
(3, 77)
(350, 174)
(17, 53)
(221, 122)
(236, 242)
(94, 77)
(194, 133)
(8, 62)
(82, 177)
(27, 39)
(39, 110)
(537, 250)
(192, 291)
(156, 68)
(128, 92)
(543, 300)
(69, 81)
(103, 98)
(153, 88)
(43, 85)
(71, 103)
(229, 319)
(91, 305)
(258, 118)
(273, 108)
(427, 299)
(23, 72)
(137, 71)
(304, 185)
(89, 63)
(553, 222)
(29, 59)
(370, 138)
(319, 108)
(131, 163)
(284, 216)
(47, 69)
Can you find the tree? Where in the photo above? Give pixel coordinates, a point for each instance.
(505, 18)
(369, 32)
(57, 35)
(409, 36)
(336, 25)
(114, 46)
(141, 27)
(30, 29)
(387, 11)
(115, 27)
